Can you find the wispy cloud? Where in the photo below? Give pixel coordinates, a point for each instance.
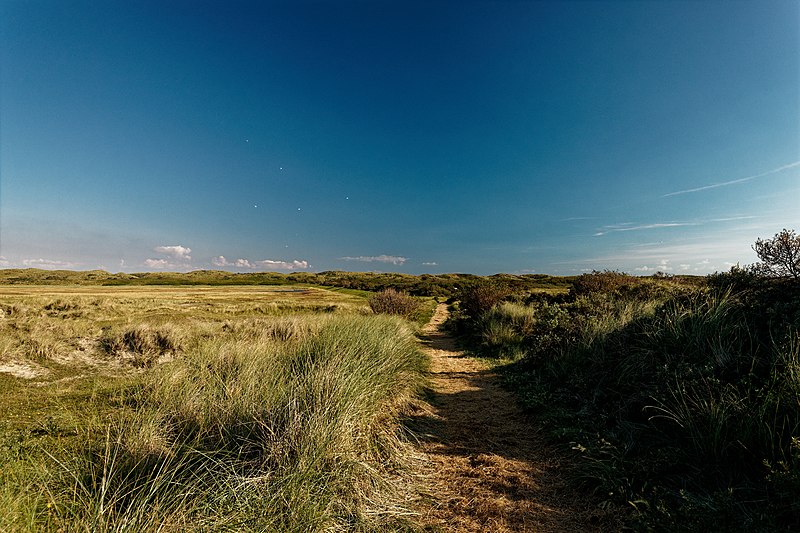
(732, 219)
(734, 182)
(177, 251)
(573, 219)
(698, 255)
(393, 259)
(430, 263)
(625, 227)
(629, 226)
(48, 264)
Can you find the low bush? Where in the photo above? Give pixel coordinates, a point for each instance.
(606, 281)
(392, 302)
(477, 300)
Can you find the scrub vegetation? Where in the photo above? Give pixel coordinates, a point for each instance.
(444, 285)
(678, 399)
(197, 409)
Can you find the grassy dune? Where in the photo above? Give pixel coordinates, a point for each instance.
(201, 409)
(679, 403)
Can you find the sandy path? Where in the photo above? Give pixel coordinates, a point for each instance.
(487, 468)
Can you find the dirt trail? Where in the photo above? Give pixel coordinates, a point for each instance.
(488, 470)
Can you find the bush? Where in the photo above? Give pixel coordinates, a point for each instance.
(597, 281)
(480, 299)
(392, 302)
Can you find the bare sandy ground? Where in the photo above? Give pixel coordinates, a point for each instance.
(487, 467)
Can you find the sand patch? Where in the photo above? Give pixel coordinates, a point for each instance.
(23, 370)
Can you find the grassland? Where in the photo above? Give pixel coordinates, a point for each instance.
(184, 402)
(262, 408)
(445, 285)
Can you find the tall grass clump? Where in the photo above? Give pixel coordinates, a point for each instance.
(144, 344)
(291, 430)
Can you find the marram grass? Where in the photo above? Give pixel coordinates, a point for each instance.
(283, 425)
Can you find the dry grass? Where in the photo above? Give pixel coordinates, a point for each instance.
(275, 409)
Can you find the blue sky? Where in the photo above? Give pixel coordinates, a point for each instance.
(483, 137)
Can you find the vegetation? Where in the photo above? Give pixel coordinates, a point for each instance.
(232, 408)
(679, 402)
(392, 302)
(444, 285)
(207, 406)
(780, 256)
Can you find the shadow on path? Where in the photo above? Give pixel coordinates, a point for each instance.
(488, 467)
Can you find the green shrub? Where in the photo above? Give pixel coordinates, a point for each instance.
(392, 302)
(606, 281)
(477, 300)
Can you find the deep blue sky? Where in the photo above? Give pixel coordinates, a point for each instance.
(480, 137)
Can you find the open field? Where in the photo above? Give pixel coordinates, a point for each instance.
(423, 285)
(197, 408)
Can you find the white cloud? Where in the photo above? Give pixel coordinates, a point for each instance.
(177, 251)
(662, 266)
(48, 264)
(158, 263)
(4, 262)
(393, 259)
(243, 263)
(733, 182)
(219, 261)
(431, 263)
(283, 265)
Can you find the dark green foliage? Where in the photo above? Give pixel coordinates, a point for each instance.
(480, 298)
(780, 255)
(680, 403)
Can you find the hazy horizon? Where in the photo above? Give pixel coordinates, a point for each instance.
(474, 137)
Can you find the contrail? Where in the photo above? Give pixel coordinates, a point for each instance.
(733, 182)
